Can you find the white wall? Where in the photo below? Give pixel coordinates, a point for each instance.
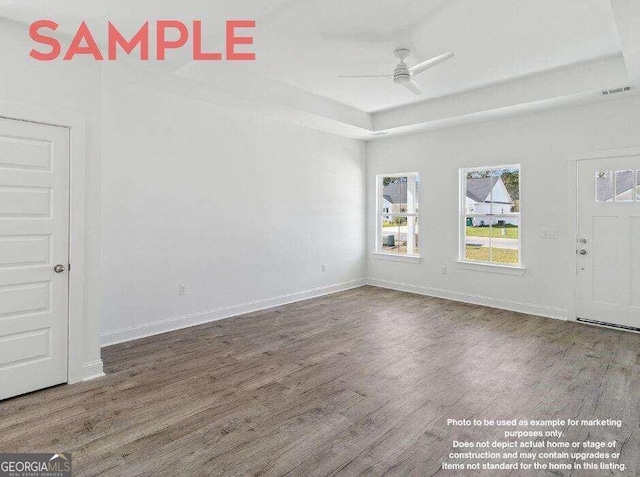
(68, 87)
(243, 210)
(193, 194)
(541, 143)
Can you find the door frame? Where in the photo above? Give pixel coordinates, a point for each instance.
(572, 314)
(76, 124)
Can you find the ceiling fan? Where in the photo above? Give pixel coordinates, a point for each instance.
(403, 74)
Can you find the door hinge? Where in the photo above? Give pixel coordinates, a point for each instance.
(69, 267)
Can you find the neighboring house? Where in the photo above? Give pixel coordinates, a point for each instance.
(624, 185)
(489, 195)
(394, 199)
(387, 206)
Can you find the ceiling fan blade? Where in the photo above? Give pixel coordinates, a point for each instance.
(365, 76)
(425, 65)
(413, 87)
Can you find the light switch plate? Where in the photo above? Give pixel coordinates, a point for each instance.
(551, 234)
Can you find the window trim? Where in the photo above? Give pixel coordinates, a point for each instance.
(396, 257)
(462, 261)
(377, 247)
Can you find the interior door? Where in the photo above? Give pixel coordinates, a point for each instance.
(609, 241)
(34, 238)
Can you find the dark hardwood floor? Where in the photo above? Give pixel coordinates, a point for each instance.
(356, 382)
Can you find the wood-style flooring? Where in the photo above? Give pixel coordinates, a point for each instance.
(359, 382)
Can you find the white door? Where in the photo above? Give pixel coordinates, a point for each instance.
(609, 241)
(34, 238)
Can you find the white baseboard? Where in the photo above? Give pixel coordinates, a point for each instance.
(520, 307)
(92, 370)
(172, 324)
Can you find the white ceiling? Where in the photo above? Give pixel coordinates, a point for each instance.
(312, 42)
(307, 44)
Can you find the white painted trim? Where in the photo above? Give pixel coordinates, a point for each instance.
(193, 319)
(484, 168)
(492, 302)
(78, 154)
(392, 257)
(490, 267)
(398, 174)
(92, 370)
(608, 153)
(565, 86)
(572, 220)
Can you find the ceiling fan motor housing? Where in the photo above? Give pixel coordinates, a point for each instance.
(401, 74)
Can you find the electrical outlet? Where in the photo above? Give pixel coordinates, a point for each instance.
(183, 289)
(550, 234)
(324, 268)
(444, 270)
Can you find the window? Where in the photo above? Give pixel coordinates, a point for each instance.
(604, 186)
(626, 186)
(490, 215)
(398, 214)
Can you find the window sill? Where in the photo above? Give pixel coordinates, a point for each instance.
(397, 258)
(491, 267)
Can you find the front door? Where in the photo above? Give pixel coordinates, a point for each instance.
(34, 239)
(609, 241)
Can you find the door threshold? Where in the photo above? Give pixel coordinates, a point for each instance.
(610, 325)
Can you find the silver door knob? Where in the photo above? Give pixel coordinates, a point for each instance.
(583, 240)
(58, 268)
(582, 252)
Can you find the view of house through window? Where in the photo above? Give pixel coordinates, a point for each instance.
(626, 186)
(398, 230)
(491, 220)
